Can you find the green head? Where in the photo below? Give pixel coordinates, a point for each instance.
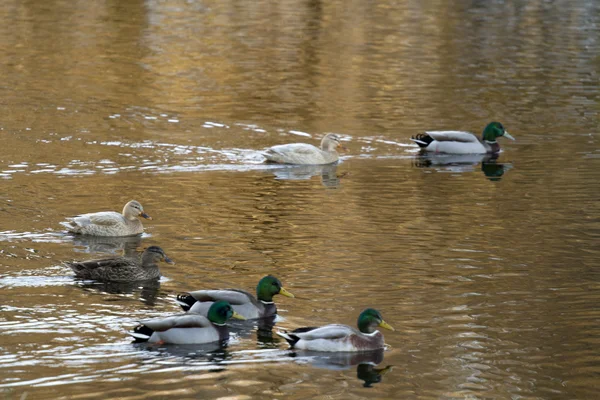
(268, 287)
(220, 311)
(370, 319)
(494, 130)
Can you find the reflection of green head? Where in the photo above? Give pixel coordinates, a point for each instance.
(370, 319)
(219, 312)
(268, 287)
(494, 130)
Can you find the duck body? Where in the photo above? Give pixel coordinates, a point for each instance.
(304, 153)
(244, 303)
(189, 328)
(109, 223)
(341, 338)
(458, 142)
(180, 329)
(122, 269)
(333, 338)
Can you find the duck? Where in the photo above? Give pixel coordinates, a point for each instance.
(457, 142)
(122, 269)
(244, 303)
(188, 328)
(341, 338)
(109, 223)
(304, 153)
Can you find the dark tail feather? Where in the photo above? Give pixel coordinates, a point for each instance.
(186, 301)
(290, 337)
(422, 139)
(141, 333)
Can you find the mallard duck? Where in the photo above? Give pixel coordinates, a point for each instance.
(250, 307)
(305, 154)
(336, 337)
(109, 223)
(189, 328)
(457, 142)
(122, 269)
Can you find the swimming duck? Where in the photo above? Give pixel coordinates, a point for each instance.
(336, 337)
(250, 307)
(304, 153)
(457, 142)
(188, 328)
(109, 223)
(122, 269)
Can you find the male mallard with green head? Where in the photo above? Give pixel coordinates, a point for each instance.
(457, 142)
(337, 337)
(261, 306)
(188, 328)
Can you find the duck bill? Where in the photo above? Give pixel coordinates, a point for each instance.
(144, 215)
(341, 146)
(385, 325)
(286, 293)
(508, 135)
(168, 260)
(238, 316)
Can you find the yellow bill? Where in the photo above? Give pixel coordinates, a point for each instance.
(385, 325)
(286, 293)
(238, 316)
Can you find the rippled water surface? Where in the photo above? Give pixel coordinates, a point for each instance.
(487, 268)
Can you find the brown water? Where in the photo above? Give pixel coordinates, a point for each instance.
(488, 269)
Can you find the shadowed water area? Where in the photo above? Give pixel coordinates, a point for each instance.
(487, 268)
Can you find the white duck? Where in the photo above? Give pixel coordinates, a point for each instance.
(109, 223)
(457, 142)
(304, 153)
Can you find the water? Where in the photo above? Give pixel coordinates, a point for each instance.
(487, 268)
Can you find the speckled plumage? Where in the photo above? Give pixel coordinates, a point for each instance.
(109, 223)
(305, 154)
(122, 269)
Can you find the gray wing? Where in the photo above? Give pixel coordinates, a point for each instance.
(105, 218)
(333, 331)
(177, 321)
(453, 136)
(233, 296)
(294, 153)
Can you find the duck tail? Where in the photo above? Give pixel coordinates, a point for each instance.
(186, 301)
(422, 139)
(290, 338)
(141, 333)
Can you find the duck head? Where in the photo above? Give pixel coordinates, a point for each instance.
(494, 130)
(331, 142)
(220, 311)
(268, 287)
(370, 319)
(154, 254)
(134, 209)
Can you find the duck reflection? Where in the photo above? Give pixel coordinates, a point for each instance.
(127, 245)
(461, 163)
(365, 362)
(211, 353)
(146, 291)
(328, 173)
